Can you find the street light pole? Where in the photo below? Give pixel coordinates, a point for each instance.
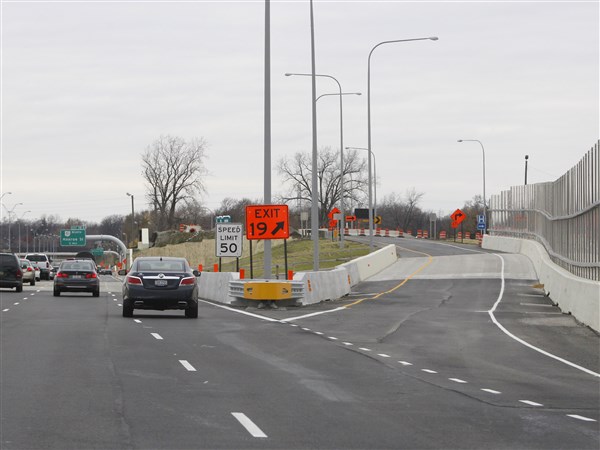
(20, 229)
(484, 201)
(340, 94)
(10, 211)
(132, 223)
(432, 38)
(371, 154)
(526, 158)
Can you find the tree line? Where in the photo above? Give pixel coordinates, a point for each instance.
(174, 169)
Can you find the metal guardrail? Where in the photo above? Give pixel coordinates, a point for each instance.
(563, 215)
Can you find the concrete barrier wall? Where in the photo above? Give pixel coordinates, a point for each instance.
(318, 286)
(574, 295)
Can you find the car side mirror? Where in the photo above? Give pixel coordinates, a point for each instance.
(196, 273)
(122, 272)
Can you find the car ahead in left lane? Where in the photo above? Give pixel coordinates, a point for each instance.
(77, 276)
(11, 274)
(160, 283)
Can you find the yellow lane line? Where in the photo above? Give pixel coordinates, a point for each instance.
(429, 261)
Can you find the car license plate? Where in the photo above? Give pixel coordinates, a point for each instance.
(160, 282)
(76, 276)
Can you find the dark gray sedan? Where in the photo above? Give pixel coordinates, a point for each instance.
(77, 275)
(160, 283)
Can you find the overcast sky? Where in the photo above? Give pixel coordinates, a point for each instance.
(87, 86)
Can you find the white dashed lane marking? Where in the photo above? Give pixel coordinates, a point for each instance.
(457, 380)
(137, 320)
(491, 391)
(578, 417)
(405, 363)
(157, 336)
(530, 403)
(428, 370)
(187, 365)
(4, 310)
(249, 425)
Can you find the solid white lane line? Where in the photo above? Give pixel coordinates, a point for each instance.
(137, 320)
(258, 316)
(529, 402)
(405, 363)
(157, 336)
(314, 314)
(578, 417)
(428, 370)
(457, 380)
(509, 334)
(187, 365)
(383, 355)
(249, 425)
(491, 391)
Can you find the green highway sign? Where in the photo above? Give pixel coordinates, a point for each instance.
(98, 251)
(75, 238)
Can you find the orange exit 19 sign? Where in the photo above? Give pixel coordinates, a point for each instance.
(267, 222)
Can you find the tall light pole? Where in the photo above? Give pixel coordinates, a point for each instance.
(484, 204)
(374, 181)
(526, 158)
(20, 228)
(10, 211)
(132, 220)
(340, 94)
(432, 38)
(2, 196)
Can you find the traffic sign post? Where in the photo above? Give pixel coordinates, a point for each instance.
(73, 238)
(267, 222)
(229, 240)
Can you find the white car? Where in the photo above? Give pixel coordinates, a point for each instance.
(38, 272)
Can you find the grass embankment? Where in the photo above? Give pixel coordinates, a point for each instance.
(299, 252)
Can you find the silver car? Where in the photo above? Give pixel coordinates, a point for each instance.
(29, 273)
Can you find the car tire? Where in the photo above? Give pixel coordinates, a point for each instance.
(19, 288)
(191, 312)
(56, 292)
(32, 282)
(127, 308)
(96, 293)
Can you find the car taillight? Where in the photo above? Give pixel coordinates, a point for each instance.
(91, 275)
(187, 281)
(29, 269)
(134, 280)
(19, 273)
(62, 275)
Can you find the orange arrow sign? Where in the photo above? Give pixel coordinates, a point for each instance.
(332, 212)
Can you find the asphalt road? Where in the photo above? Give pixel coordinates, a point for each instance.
(451, 347)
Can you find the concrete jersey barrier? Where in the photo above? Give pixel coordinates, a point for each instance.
(318, 286)
(573, 295)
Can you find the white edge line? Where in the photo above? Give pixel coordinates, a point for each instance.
(249, 425)
(521, 341)
(314, 314)
(258, 316)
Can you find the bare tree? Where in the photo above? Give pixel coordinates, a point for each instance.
(173, 169)
(297, 174)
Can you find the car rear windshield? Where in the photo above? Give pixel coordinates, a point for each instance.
(161, 266)
(37, 258)
(7, 259)
(76, 266)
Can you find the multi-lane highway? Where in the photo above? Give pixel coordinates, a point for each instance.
(451, 347)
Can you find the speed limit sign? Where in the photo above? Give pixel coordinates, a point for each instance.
(229, 240)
